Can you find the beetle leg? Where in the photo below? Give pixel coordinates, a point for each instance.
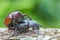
(11, 33)
(27, 16)
(37, 31)
(16, 32)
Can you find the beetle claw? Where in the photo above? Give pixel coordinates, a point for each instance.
(37, 32)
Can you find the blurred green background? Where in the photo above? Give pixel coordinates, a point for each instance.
(45, 12)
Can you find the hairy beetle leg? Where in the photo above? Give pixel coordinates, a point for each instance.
(37, 32)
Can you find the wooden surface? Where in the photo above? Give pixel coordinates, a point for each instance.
(45, 34)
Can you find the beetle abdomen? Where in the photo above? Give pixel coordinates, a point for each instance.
(7, 21)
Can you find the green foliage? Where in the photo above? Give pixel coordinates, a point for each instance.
(45, 12)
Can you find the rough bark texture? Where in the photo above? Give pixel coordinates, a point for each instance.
(45, 34)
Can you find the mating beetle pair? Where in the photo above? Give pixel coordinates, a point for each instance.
(21, 22)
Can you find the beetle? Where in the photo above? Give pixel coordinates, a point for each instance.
(17, 20)
(14, 17)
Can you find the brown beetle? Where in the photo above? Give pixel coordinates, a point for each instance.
(11, 17)
(14, 18)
